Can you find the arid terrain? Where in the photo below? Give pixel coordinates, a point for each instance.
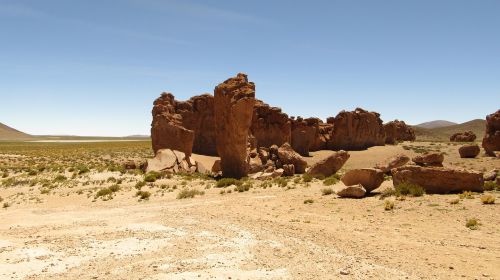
(72, 211)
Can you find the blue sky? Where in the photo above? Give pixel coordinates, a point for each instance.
(94, 67)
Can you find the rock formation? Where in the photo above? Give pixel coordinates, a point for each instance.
(355, 191)
(329, 165)
(288, 156)
(469, 151)
(369, 178)
(396, 131)
(233, 109)
(270, 126)
(439, 180)
(491, 140)
(467, 136)
(167, 130)
(357, 130)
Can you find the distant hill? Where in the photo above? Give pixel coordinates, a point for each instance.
(436, 124)
(477, 126)
(9, 133)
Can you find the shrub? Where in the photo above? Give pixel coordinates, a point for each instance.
(266, 185)
(140, 184)
(143, 195)
(332, 180)
(152, 176)
(307, 178)
(111, 180)
(103, 192)
(409, 189)
(490, 185)
(308, 201)
(82, 169)
(44, 191)
(281, 182)
(472, 224)
(226, 182)
(467, 195)
(6, 205)
(185, 193)
(1, 199)
(455, 201)
(114, 188)
(32, 173)
(5, 174)
(327, 191)
(60, 178)
(488, 199)
(243, 188)
(388, 205)
(388, 193)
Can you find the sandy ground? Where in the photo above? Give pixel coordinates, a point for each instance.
(260, 234)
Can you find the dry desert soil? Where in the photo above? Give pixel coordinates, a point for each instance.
(58, 223)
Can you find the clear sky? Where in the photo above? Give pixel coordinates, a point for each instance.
(94, 67)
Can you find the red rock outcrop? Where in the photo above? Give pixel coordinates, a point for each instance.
(170, 161)
(429, 159)
(393, 162)
(439, 180)
(396, 131)
(329, 165)
(491, 139)
(270, 126)
(233, 109)
(467, 136)
(167, 131)
(369, 178)
(356, 130)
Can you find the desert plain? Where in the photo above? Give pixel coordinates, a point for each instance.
(73, 211)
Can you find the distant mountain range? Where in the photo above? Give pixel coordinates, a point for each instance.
(8, 133)
(436, 124)
(442, 130)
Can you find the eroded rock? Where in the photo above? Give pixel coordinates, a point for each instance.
(491, 139)
(329, 165)
(429, 159)
(393, 162)
(355, 191)
(467, 136)
(369, 178)
(469, 151)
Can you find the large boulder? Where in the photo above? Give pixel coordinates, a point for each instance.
(233, 108)
(171, 161)
(356, 130)
(429, 159)
(393, 162)
(355, 191)
(439, 180)
(287, 155)
(467, 136)
(396, 131)
(270, 126)
(469, 151)
(369, 178)
(491, 139)
(167, 131)
(329, 165)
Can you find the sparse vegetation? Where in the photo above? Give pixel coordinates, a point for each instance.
(488, 199)
(472, 223)
(409, 189)
(466, 195)
(143, 195)
(152, 176)
(306, 178)
(490, 186)
(244, 187)
(226, 182)
(331, 180)
(327, 191)
(388, 205)
(308, 201)
(186, 193)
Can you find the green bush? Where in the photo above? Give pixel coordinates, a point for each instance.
(185, 193)
(409, 189)
(226, 182)
(143, 194)
(488, 199)
(472, 224)
(152, 176)
(244, 187)
(490, 185)
(308, 201)
(331, 180)
(140, 184)
(327, 191)
(306, 178)
(388, 205)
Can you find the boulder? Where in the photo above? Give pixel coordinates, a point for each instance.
(439, 180)
(396, 131)
(171, 161)
(355, 191)
(491, 175)
(329, 165)
(393, 162)
(467, 136)
(429, 159)
(255, 165)
(369, 178)
(469, 151)
(265, 175)
(270, 125)
(287, 155)
(233, 109)
(356, 130)
(491, 139)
